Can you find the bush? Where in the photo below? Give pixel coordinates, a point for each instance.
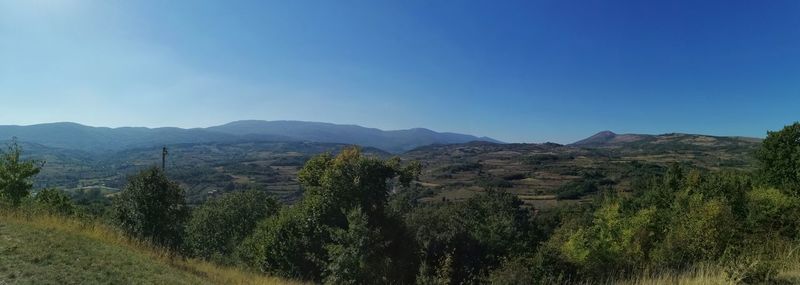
(576, 190)
(461, 242)
(515, 271)
(771, 211)
(16, 175)
(780, 159)
(54, 202)
(700, 230)
(217, 227)
(286, 245)
(151, 207)
(615, 242)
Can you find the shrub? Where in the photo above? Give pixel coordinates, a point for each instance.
(576, 189)
(151, 207)
(461, 242)
(771, 211)
(217, 227)
(700, 230)
(286, 245)
(53, 202)
(615, 242)
(16, 175)
(780, 159)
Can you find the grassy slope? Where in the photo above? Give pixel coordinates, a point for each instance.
(52, 250)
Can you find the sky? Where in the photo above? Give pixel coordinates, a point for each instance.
(518, 71)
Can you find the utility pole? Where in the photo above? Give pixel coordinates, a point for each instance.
(164, 159)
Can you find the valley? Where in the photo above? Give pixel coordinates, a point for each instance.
(542, 175)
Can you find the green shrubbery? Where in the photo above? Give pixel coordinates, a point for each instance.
(16, 175)
(316, 238)
(218, 226)
(151, 207)
(54, 202)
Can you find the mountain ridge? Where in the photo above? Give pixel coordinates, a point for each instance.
(70, 135)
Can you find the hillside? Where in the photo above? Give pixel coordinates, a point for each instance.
(74, 136)
(49, 250)
(538, 173)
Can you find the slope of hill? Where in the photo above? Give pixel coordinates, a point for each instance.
(99, 139)
(53, 250)
(607, 138)
(538, 173)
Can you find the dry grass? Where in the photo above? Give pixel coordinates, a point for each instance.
(99, 235)
(704, 275)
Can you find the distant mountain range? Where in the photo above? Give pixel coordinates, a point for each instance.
(101, 139)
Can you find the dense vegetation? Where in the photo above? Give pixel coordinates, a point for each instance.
(362, 220)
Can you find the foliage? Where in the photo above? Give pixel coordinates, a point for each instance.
(217, 227)
(315, 235)
(590, 182)
(770, 211)
(780, 159)
(54, 202)
(151, 207)
(462, 242)
(354, 253)
(16, 174)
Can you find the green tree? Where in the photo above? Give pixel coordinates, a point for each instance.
(219, 225)
(353, 255)
(151, 207)
(460, 242)
(772, 212)
(299, 241)
(16, 174)
(780, 159)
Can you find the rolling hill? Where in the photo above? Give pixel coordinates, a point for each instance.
(538, 173)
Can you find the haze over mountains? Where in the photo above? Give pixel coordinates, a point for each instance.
(102, 139)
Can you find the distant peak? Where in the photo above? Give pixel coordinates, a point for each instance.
(605, 134)
(597, 139)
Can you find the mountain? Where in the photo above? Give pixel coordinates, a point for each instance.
(101, 139)
(396, 141)
(606, 138)
(609, 139)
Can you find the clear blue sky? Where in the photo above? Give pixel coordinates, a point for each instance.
(520, 71)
